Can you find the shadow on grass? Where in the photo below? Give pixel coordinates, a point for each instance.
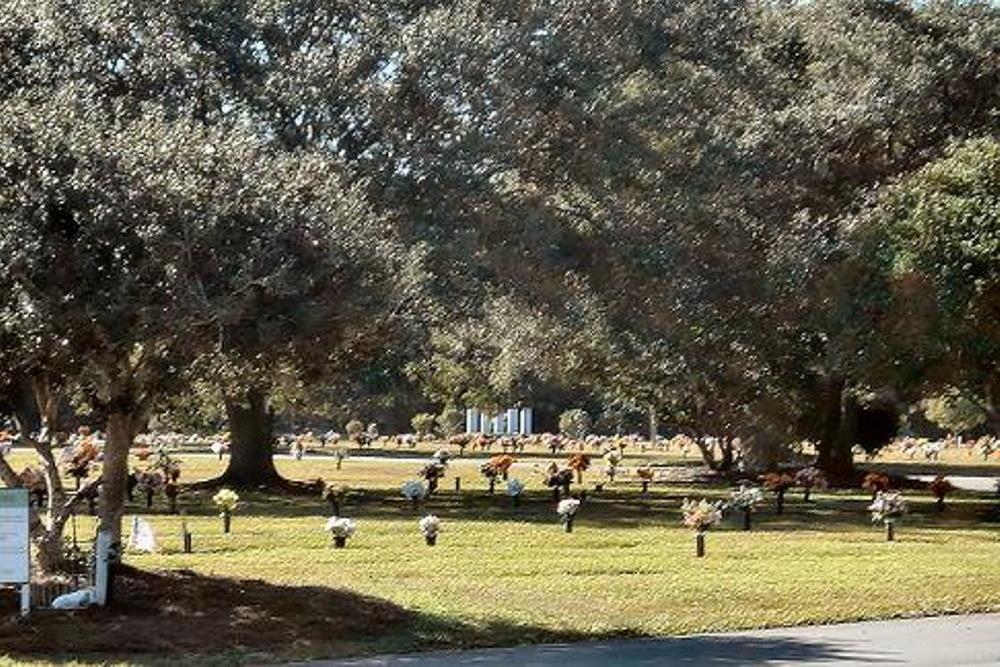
(617, 507)
(161, 618)
(697, 650)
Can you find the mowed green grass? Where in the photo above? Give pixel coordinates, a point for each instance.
(505, 575)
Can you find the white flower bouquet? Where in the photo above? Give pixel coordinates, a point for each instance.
(226, 500)
(341, 529)
(701, 515)
(887, 508)
(515, 488)
(567, 509)
(430, 526)
(745, 499)
(414, 490)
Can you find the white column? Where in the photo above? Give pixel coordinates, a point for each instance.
(512, 421)
(527, 421)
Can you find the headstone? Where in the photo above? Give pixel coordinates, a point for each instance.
(141, 537)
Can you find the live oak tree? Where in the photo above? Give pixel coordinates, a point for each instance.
(938, 234)
(137, 247)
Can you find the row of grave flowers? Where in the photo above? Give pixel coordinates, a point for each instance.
(887, 508)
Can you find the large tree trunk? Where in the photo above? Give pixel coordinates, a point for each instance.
(654, 425)
(121, 428)
(839, 426)
(251, 428)
(992, 395)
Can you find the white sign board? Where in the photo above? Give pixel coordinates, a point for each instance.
(15, 554)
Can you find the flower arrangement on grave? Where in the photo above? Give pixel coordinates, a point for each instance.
(557, 479)
(84, 454)
(778, 483)
(888, 508)
(33, 480)
(355, 430)
(700, 515)
(490, 473)
(339, 455)
(567, 509)
(432, 472)
(148, 482)
(684, 444)
(987, 445)
(810, 478)
(940, 487)
(461, 440)
(414, 490)
(745, 499)
(168, 466)
(645, 475)
(515, 488)
(219, 448)
(340, 530)
(502, 463)
(171, 490)
(226, 500)
(335, 494)
(430, 526)
(578, 463)
(875, 482)
(612, 459)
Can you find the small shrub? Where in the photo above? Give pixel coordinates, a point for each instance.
(354, 429)
(574, 424)
(450, 422)
(423, 424)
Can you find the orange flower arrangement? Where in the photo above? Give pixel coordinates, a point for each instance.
(645, 475)
(502, 463)
(578, 463)
(779, 483)
(875, 482)
(941, 487)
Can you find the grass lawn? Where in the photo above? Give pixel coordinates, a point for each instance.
(501, 575)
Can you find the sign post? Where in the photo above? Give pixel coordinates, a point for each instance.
(15, 543)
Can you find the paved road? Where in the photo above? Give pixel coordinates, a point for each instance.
(933, 642)
(967, 482)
